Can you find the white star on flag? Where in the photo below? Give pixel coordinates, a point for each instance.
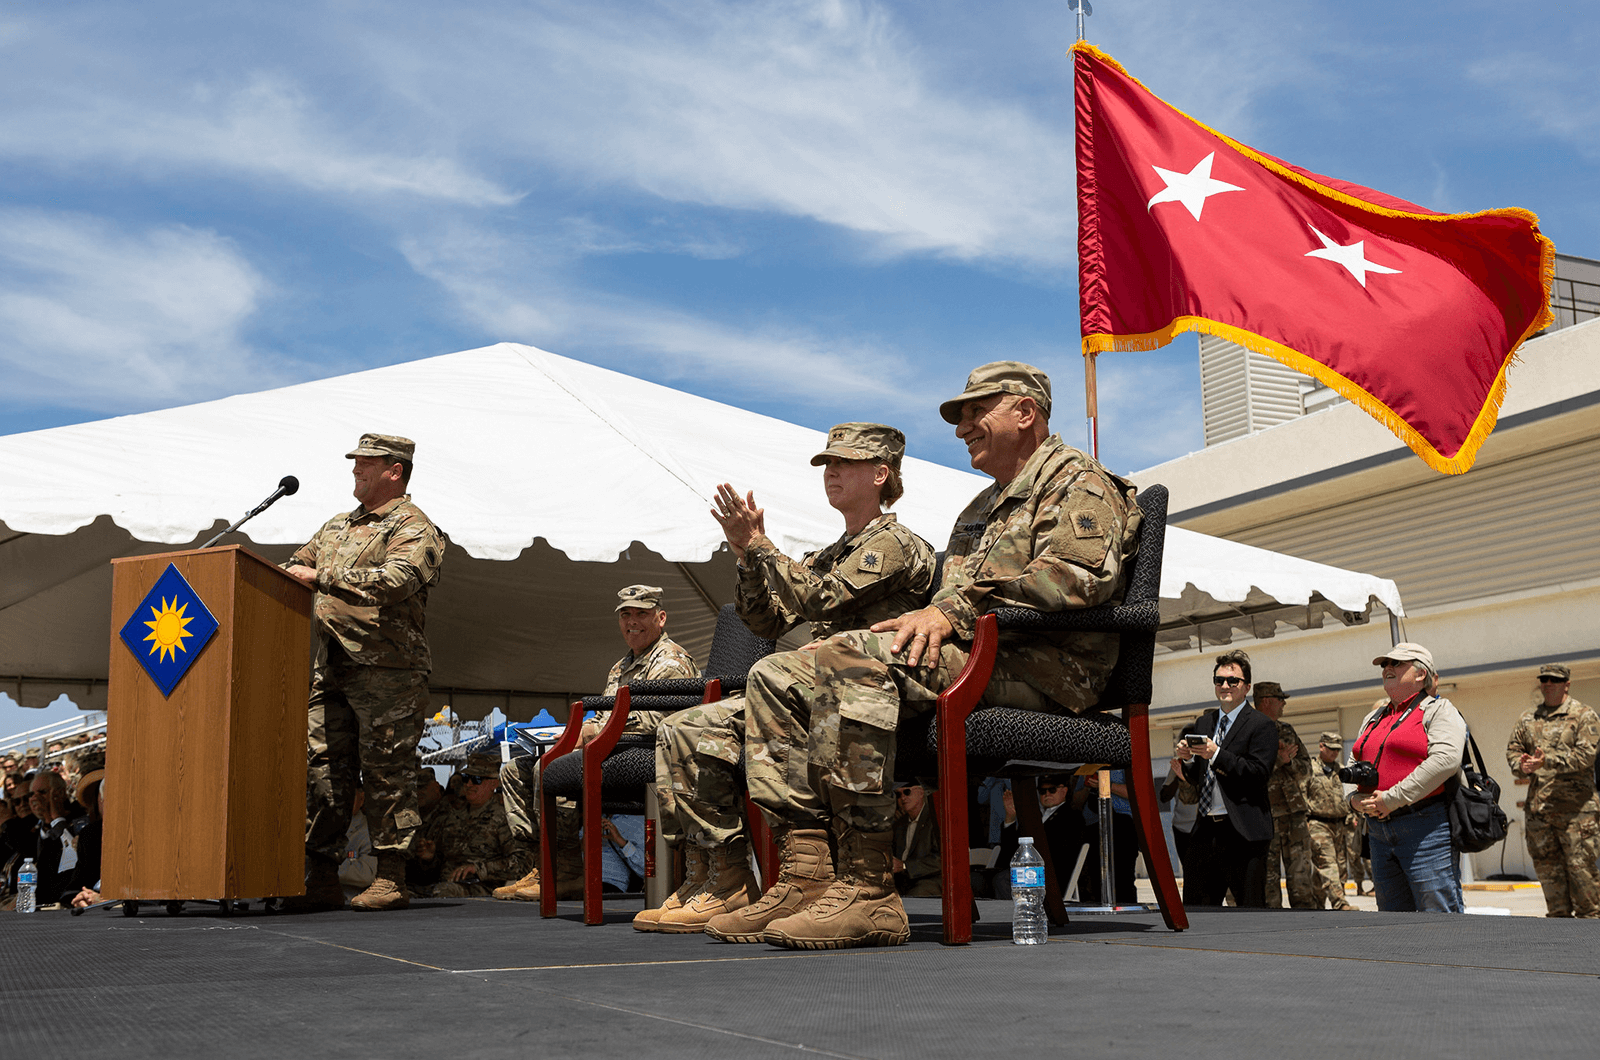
(1191, 188)
(1352, 257)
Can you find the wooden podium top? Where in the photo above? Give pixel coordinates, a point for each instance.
(210, 551)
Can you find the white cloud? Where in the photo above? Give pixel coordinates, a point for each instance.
(102, 317)
(1550, 91)
(516, 291)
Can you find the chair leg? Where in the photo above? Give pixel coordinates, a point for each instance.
(762, 843)
(547, 849)
(1152, 841)
(1025, 796)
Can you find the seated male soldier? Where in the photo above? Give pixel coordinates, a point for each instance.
(1053, 532)
(652, 656)
(876, 569)
(474, 847)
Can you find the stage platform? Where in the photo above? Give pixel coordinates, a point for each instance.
(489, 979)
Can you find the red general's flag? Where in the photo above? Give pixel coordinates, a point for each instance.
(1412, 315)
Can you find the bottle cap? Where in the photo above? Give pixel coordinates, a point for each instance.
(1025, 839)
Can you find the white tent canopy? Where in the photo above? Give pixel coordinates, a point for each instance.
(557, 481)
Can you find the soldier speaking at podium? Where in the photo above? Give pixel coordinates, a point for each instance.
(371, 569)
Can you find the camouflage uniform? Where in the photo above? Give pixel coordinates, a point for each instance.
(1563, 813)
(519, 779)
(1291, 842)
(1327, 815)
(821, 724)
(369, 689)
(880, 573)
(482, 838)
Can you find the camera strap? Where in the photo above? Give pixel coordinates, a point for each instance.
(1410, 706)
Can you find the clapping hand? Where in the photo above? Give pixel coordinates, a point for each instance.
(740, 519)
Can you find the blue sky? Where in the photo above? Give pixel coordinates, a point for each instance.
(822, 211)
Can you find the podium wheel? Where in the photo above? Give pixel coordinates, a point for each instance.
(130, 908)
(225, 907)
(174, 908)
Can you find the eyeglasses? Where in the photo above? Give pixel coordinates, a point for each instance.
(1049, 789)
(478, 780)
(1231, 682)
(1552, 680)
(901, 793)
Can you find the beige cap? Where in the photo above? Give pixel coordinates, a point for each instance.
(390, 445)
(1331, 740)
(864, 441)
(1000, 377)
(1406, 651)
(1555, 670)
(482, 764)
(644, 597)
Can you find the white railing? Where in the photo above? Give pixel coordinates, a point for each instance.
(45, 735)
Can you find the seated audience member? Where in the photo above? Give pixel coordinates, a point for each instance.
(359, 867)
(622, 856)
(88, 829)
(1064, 834)
(916, 843)
(475, 847)
(56, 857)
(423, 872)
(652, 656)
(1124, 842)
(19, 837)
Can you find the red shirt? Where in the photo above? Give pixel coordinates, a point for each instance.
(1397, 734)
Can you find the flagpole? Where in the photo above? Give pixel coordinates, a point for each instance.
(1090, 396)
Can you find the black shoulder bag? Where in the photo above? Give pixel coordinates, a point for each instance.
(1476, 820)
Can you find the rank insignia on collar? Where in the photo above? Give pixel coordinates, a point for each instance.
(872, 560)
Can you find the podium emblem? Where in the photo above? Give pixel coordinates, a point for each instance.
(168, 629)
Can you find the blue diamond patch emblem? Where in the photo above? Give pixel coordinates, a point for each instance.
(168, 629)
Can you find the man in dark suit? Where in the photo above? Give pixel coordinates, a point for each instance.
(1230, 766)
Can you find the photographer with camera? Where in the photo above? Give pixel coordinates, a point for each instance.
(1408, 750)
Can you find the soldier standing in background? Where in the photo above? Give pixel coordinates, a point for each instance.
(1327, 821)
(1554, 744)
(474, 846)
(371, 569)
(1290, 853)
(652, 656)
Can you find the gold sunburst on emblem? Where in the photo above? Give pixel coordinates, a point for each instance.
(168, 629)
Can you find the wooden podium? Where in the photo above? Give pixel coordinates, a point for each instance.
(206, 786)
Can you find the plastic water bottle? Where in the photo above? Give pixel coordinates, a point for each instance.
(1028, 927)
(27, 887)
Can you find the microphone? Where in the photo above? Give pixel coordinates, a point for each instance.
(287, 486)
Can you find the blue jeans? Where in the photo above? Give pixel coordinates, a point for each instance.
(1414, 864)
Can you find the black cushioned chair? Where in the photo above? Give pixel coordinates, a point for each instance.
(1022, 743)
(609, 774)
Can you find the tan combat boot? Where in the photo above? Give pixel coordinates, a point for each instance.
(696, 867)
(323, 894)
(523, 890)
(388, 891)
(730, 886)
(805, 870)
(862, 908)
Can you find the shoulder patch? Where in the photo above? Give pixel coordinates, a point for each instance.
(871, 560)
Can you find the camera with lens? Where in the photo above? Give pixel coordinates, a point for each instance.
(1361, 774)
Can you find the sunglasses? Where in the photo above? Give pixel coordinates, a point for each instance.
(1049, 789)
(477, 780)
(1552, 680)
(1231, 682)
(901, 793)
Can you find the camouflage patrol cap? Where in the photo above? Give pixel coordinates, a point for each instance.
(1555, 670)
(1268, 688)
(644, 597)
(1332, 741)
(863, 441)
(482, 764)
(390, 445)
(1000, 377)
